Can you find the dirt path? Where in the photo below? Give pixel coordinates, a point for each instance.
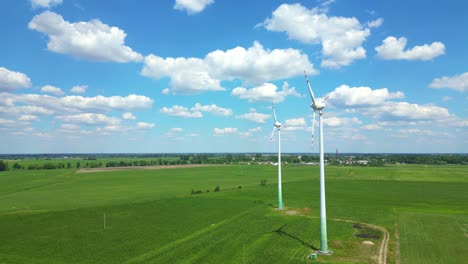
(104, 169)
(383, 246)
(382, 258)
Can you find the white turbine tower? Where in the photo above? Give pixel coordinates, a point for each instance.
(277, 125)
(318, 105)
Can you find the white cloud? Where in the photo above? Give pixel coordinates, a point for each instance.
(143, 125)
(188, 75)
(345, 96)
(446, 98)
(45, 3)
(176, 130)
(393, 49)
(252, 66)
(375, 23)
(254, 117)
(214, 109)
(25, 110)
(192, 6)
(89, 119)
(6, 122)
(91, 40)
(334, 121)
(372, 127)
(457, 82)
(404, 111)
(10, 80)
(52, 89)
(295, 122)
(181, 111)
(255, 129)
(196, 111)
(341, 37)
(128, 116)
(265, 93)
(79, 89)
(36, 104)
(28, 118)
(226, 130)
(166, 91)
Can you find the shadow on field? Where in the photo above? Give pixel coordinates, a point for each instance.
(281, 232)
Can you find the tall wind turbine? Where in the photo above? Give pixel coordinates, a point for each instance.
(277, 126)
(318, 104)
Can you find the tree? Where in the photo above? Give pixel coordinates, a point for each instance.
(16, 166)
(78, 165)
(3, 165)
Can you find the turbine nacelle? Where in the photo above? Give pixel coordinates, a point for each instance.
(277, 124)
(318, 104)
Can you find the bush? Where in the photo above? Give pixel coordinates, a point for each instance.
(263, 182)
(217, 189)
(239, 187)
(196, 192)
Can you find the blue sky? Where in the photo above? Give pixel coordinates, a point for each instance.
(201, 75)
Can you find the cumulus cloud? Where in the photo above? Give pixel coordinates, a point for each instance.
(52, 89)
(341, 37)
(176, 130)
(11, 80)
(79, 89)
(224, 131)
(36, 104)
(394, 49)
(457, 82)
(295, 122)
(346, 96)
(128, 116)
(334, 121)
(375, 23)
(28, 118)
(254, 117)
(214, 109)
(265, 93)
(89, 119)
(192, 6)
(91, 40)
(143, 125)
(180, 111)
(45, 3)
(252, 66)
(407, 111)
(196, 111)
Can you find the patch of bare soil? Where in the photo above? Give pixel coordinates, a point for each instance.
(291, 212)
(104, 169)
(367, 242)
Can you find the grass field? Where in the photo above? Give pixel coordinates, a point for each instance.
(57, 216)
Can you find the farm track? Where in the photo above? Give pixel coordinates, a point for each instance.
(383, 246)
(382, 258)
(104, 169)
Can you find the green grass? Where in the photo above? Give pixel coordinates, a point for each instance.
(56, 216)
(433, 237)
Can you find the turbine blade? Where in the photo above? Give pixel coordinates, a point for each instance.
(310, 88)
(274, 113)
(313, 129)
(272, 134)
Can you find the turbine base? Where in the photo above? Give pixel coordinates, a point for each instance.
(326, 253)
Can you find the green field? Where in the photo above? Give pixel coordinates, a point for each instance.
(57, 216)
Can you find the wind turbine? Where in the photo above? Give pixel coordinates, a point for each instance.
(318, 104)
(277, 125)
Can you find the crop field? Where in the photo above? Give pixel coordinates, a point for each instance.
(176, 216)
